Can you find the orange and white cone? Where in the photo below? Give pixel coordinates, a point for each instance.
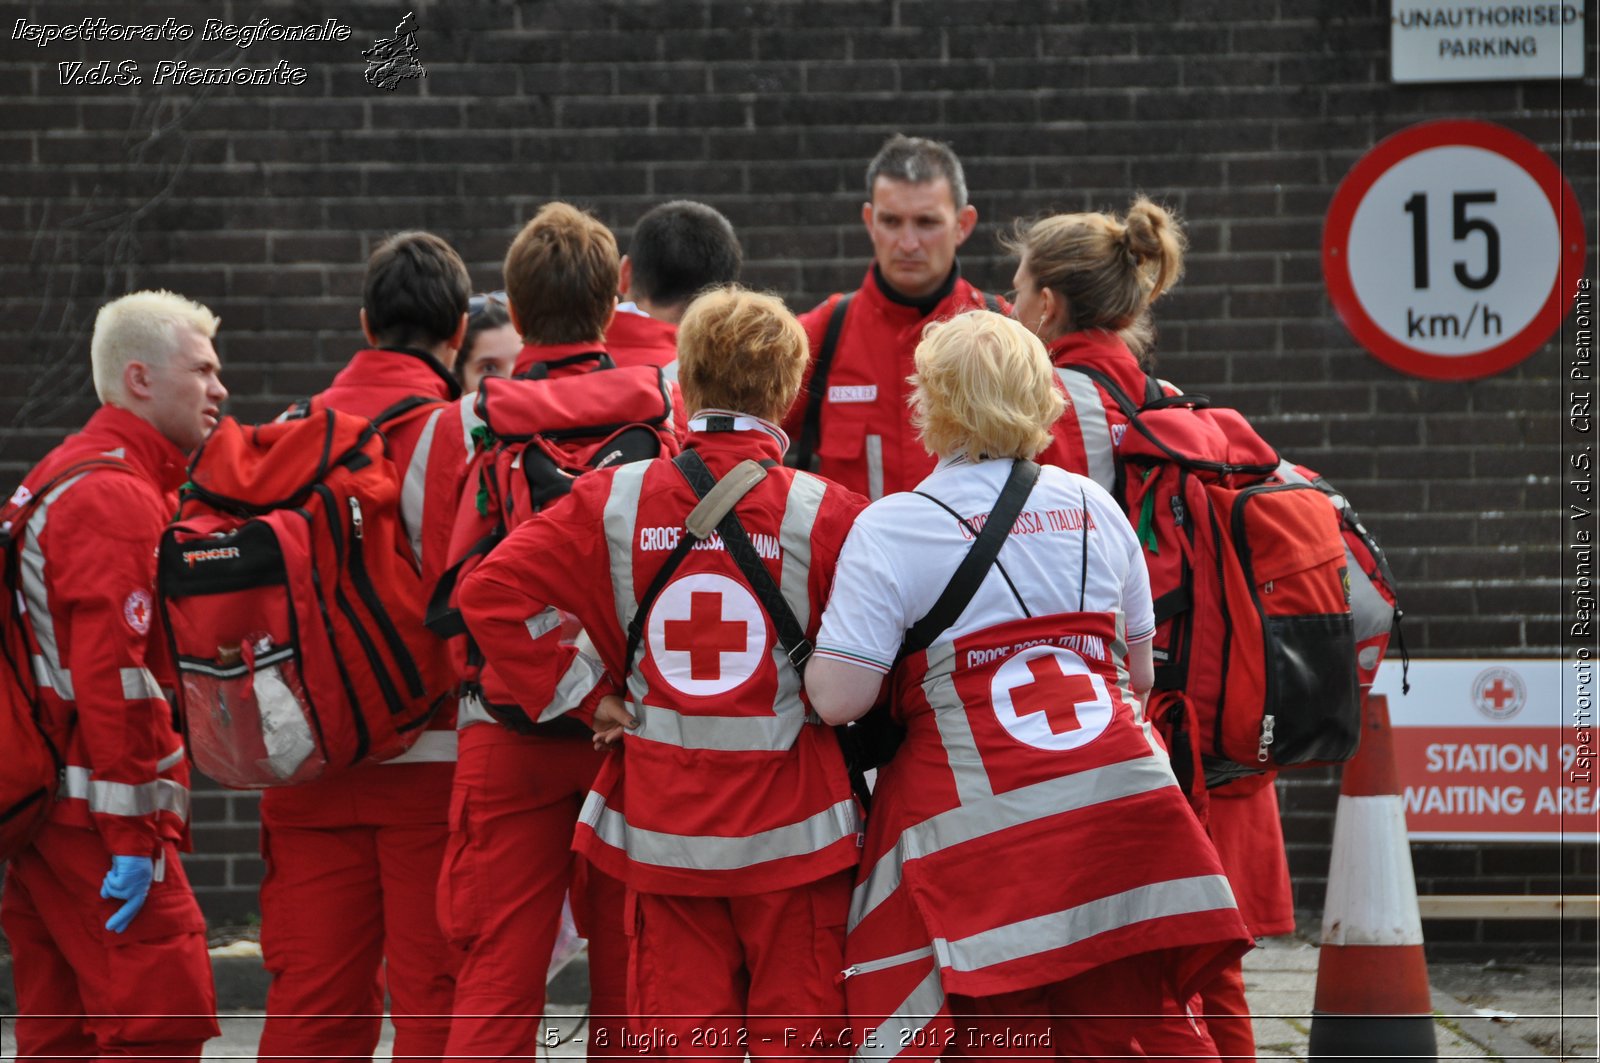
(1372, 1000)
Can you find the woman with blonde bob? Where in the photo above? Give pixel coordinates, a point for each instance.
(1032, 877)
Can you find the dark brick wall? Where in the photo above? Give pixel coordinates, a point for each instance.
(1243, 114)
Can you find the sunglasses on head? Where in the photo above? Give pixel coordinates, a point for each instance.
(480, 302)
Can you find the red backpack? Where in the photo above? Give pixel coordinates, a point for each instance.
(30, 756)
(1255, 659)
(540, 434)
(1375, 611)
(293, 603)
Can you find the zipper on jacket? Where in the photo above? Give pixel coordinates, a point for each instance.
(884, 964)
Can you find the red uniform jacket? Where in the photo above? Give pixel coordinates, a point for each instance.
(865, 440)
(635, 339)
(88, 576)
(735, 789)
(430, 450)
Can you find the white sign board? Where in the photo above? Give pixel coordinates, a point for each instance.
(1495, 750)
(1485, 40)
(1453, 249)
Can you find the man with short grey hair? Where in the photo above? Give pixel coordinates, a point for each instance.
(850, 422)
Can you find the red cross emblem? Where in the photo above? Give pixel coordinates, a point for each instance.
(1498, 693)
(1054, 694)
(136, 611)
(705, 636)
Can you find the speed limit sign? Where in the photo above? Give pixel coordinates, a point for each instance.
(1453, 249)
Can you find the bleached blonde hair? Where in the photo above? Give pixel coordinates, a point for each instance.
(983, 388)
(740, 350)
(141, 327)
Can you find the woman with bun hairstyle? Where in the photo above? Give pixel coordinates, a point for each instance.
(1085, 284)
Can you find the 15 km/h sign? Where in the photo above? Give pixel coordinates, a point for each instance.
(1453, 249)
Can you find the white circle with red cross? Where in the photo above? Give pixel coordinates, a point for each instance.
(1499, 693)
(707, 634)
(1049, 698)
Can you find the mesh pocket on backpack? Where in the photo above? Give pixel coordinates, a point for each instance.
(254, 726)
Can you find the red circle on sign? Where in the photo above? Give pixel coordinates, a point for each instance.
(1383, 157)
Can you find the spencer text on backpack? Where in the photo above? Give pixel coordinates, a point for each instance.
(289, 593)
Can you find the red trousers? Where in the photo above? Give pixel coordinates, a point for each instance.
(347, 909)
(1113, 1012)
(507, 867)
(716, 977)
(85, 992)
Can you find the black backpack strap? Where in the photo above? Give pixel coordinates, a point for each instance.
(992, 303)
(791, 636)
(443, 618)
(540, 370)
(800, 456)
(1109, 386)
(975, 565)
(401, 408)
(694, 470)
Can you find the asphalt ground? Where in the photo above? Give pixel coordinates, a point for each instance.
(1533, 1011)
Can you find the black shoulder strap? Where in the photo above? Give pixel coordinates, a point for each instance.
(969, 574)
(1118, 396)
(541, 370)
(803, 451)
(992, 303)
(737, 544)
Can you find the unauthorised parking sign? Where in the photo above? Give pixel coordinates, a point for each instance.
(1453, 249)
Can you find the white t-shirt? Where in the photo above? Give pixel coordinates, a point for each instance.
(903, 549)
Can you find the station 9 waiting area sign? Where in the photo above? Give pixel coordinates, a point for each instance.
(1494, 750)
(1453, 249)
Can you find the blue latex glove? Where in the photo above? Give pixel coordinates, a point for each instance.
(128, 880)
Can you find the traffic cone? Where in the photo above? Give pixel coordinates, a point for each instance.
(1372, 1000)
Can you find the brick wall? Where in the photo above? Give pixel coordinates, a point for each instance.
(1243, 114)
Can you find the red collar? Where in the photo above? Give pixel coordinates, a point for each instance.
(962, 296)
(534, 353)
(113, 429)
(1096, 348)
(411, 371)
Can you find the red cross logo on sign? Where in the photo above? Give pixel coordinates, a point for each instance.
(1499, 693)
(707, 634)
(1048, 697)
(1057, 696)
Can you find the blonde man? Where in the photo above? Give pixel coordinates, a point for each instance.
(1026, 760)
(108, 944)
(740, 831)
